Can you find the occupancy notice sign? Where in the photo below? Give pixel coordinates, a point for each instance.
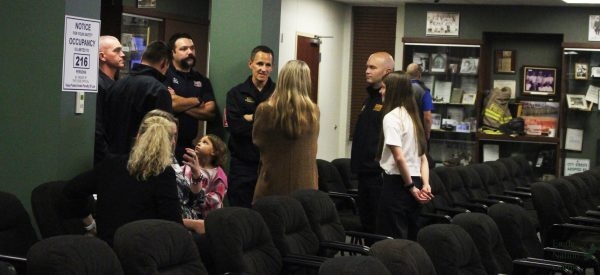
(80, 54)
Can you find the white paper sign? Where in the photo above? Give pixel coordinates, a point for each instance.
(80, 54)
(575, 165)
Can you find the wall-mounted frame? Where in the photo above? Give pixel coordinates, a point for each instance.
(146, 4)
(442, 23)
(581, 70)
(539, 80)
(594, 28)
(504, 62)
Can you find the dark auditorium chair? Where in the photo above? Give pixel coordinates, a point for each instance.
(350, 179)
(477, 191)
(240, 242)
(16, 232)
(7, 269)
(451, 249)
(526, 168)
(290, 229)
(157, 247)
(454, 186)
(403, 257)
(53, 213)
(441, 208)
(556, 225)
(324, 221)
(72, 254)
(521, 240)
(515, 173)
(358, 265)
(488, 240)
(330, 181)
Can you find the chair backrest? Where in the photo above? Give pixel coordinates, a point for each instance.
(472, 182)
(517, 230)
(16, 231)
(322, 215)
(353, 265)
(288, 224)
(53, 214)
(343, 166)
(488, 178)
(526, 168)
(515, 171)
(583, 192)
(569, 196)
(453, 183)
(157, 246)
(549, 206)
(329, 178)
(451, 249)
(72, 254)
(502, 174)
(403, 257)
(488, 240)
(240, 242)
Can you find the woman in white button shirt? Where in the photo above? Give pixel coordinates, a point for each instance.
(406, 172)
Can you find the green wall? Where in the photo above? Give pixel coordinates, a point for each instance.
(42, 138)
(236, 27)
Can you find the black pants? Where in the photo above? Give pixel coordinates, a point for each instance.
(398, 209)
(242, 181)
(369, 189)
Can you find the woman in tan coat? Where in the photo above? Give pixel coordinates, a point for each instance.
(286, 128)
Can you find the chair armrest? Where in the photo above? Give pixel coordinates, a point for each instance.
(519, 194)
(523, 189)
(365, 235)
(593, 213)
(509, 199)
(487, 202)
(19, 263)
(453, 211)
(580, 258)
(586, 220)
(345, 247)
(353, 191)
(521, 265)
(440, 218)
(347, 197)
(475, 207)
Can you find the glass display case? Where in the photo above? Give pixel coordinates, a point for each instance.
(451, 71)
(136, 32)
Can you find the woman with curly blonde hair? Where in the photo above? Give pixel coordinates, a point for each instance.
(286, 128)
(135, 187)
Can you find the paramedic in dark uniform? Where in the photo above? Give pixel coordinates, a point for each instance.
(365, 141)
(191, 92)
(242, 101)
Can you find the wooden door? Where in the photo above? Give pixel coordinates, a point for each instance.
(308, 51)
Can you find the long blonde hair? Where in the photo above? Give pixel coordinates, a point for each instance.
(153, 148)
(294, 111)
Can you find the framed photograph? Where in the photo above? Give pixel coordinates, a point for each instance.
(594, 28)
(539, 80)
(146, 4)
(442, 23)
(438, 62)
(504, 63)
(469, 98)
(423, 60)
(581, 70)
(469, 65)
(577, 102)
(595, 72)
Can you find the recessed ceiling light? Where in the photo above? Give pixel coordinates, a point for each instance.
(582, 1)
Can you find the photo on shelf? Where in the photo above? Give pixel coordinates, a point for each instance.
(436, 121)
(469, 98)
(539, 80)
(442, 92)
(575, 101)
(423, 60)
(595, 71)
(456, 96)
(146, 3)
(442, 23)
(438, 62)
(581, 70)
(540, 117)
(594, 28)
(469, 65)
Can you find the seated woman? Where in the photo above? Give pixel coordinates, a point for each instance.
(129, 188)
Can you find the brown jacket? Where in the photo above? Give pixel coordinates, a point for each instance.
(286, 165)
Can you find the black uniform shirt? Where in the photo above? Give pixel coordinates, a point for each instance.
(365, 140)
